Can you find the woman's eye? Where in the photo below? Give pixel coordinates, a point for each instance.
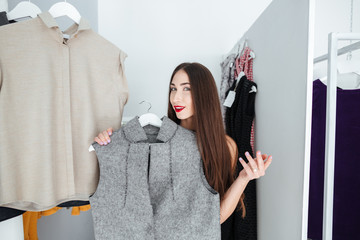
(186, 89)
(172, 89)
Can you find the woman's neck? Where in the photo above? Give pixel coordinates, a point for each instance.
(188, 123)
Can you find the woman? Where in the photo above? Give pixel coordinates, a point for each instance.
(194, 104)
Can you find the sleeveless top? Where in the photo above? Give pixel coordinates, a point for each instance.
(152, 186)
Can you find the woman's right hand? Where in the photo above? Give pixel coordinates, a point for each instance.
(256, 167)
(104, 137)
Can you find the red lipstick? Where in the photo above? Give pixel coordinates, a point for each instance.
(178, 108)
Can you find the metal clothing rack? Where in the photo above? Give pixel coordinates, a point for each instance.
(333, 52)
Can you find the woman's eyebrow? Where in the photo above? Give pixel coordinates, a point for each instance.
(181, 84)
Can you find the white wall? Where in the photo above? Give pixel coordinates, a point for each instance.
(333, 16)
(3, 5)
(283, 72)
(64, 226)
(158, 35)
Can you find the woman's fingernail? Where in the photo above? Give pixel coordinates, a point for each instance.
(109, 133)
(241, 159)
(270, 157)
(259, 153)
(108, 140)
(247, 154)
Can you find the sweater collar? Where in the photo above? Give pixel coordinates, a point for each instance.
(135, 133)
(50, 22)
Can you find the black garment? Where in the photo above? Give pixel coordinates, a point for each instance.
(227, 227)
(238, 119)
(3, 19)
(73, 204)
(7, 213)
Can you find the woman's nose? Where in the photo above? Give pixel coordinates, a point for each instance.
(178, 96)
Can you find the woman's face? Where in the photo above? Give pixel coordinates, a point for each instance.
(180, 95)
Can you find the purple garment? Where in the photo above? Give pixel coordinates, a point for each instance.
(346, 213)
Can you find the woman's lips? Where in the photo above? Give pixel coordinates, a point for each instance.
(178, 108)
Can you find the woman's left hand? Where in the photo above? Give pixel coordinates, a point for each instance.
(255, 168)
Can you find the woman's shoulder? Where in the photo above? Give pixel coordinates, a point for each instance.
(231, 143)
(233, 149)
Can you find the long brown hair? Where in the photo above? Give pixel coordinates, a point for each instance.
(210, 133)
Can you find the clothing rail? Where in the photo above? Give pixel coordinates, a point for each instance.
(341, 51)
(333, 52)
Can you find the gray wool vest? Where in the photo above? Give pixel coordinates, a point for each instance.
(152, 186)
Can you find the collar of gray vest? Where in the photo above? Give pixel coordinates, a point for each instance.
(135, 133)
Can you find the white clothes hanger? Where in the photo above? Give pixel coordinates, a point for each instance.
(149, 118)
(345, 80)
(252, 55)
(65, 9)
(241, 74)
(24, 9)
(253, 89)
(349, 71)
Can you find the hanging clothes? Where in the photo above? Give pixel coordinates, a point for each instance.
(75, 211)
(52, 104)
(346, 207)
(239, 119)
(239, 125)
(245, 64)
(152, 186)
(228, 72)
(227, 79)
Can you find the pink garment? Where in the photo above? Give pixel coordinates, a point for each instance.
(245, 64)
